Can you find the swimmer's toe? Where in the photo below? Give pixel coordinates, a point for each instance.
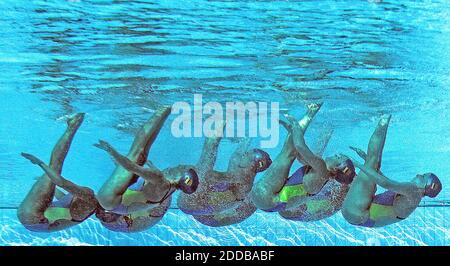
(315, 106)
(385, 119)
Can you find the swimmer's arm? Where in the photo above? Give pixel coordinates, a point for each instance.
(234, 164)
(149, 174)
(58, 180)
(146, 173)
(289, 140)
(360, 152)
(363, 156)
(243, 147)
(316, 162)
(404, 188)
(323, 142)
(59, 194)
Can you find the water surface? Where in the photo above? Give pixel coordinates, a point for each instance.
(118, 61)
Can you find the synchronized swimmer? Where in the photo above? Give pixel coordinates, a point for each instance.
(136, 197)
(313, 192)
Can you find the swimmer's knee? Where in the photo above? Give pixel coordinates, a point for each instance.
(108, 201)
(22, 215)
(353, 216)
(261, 199)
(26, 215)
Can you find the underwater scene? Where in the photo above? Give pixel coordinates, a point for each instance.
(203, 122)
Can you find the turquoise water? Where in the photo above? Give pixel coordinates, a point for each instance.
(117, 61)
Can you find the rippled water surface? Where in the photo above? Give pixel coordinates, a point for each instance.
(119, 60)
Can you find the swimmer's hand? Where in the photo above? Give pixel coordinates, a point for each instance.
(104, 146)
(150, 164)
(286, 125)
(33, 159)
(360, 152)
(292, 122)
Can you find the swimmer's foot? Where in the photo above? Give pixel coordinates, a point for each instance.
(33, 159)
(385, 119)
(189, 182)
(75, 121)
(313, 108)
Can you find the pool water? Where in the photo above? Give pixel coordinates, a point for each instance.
(119, 60)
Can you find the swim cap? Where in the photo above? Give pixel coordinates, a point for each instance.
(262, 160)
(189, 182)
(345, 172)
(433, 186)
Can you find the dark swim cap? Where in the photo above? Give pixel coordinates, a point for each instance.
(261, 159)
(433, 186)
(189, 182)
(345, 172)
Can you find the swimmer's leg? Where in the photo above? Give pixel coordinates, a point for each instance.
(323, 142)
(151, 175)
(357, 203)
(298, 135)
(238, 155)
(32, 208)
(147, 135)
(61, 149)
(363, 156)
(84, 202)
(376, 143)
(110, 194)
(288, 127)
(209, 154)
(265, 191)
(298, 129)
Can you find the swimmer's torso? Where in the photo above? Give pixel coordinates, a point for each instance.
(319, 206)
(388, 208)
(237, 214)
(134, 221)
(294, 188)
(361, 185)
(63, 213)
(216, 192)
